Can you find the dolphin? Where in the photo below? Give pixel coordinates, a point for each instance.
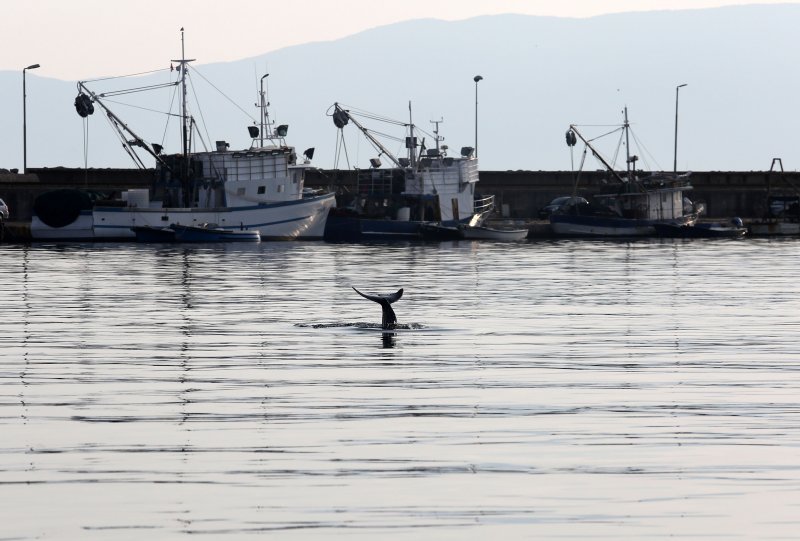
(389, 320)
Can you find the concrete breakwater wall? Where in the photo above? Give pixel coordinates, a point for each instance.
(20, 191)
(519, 194)
(522, 193)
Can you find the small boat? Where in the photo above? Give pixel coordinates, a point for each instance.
(471, 232)
(480, 232)
(437, 231)
(734, 229)
(194, 233)
(392, 203)
(634, 208)
(213, 233)
(148, 233)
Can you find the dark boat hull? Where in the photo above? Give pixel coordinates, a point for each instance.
(699, 231)
(343, 228)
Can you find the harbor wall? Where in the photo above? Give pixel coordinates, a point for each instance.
(19, 191)
(519, 194)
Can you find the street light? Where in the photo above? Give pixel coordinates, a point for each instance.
(476, 79)
(24, 125)
(675, 163)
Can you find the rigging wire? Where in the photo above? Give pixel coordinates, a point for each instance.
(371, 116)
(200, 111)
(135, 90)
(125, 144)
(123, 76)
(141, 108)
(616, 152)
(170, 114)
(86, 152)
(341, 146)
(646, 153)
(224, 95)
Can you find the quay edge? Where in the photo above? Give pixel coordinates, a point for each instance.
(519, 194)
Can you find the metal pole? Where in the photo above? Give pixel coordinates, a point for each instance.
(675, 155)
(24, 120)
(476, 79)
(263, 110)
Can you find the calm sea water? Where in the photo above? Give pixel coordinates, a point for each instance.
(553, 390)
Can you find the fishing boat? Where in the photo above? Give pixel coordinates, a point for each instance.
(426, 186)
(638, 203)
(258, 188)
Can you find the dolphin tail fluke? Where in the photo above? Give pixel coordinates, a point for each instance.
(389, 319)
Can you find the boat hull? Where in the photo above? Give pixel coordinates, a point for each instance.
(774, 228)
(145, 233)
(596, 226)
(208, 234)
(345, 228)
(79, 229)
(699, 231)
(301, 219)
(470, 232)
(491, 233)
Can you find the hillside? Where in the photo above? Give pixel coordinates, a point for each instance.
(540, 75)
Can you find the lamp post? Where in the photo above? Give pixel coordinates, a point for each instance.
(675, 162)
(24, 121)
(476, 79)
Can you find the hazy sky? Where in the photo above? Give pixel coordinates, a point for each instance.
(79, 39)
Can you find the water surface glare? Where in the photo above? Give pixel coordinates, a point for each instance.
(552, 390)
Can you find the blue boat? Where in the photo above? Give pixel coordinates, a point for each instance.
(150, 234)
(213, 233)
(197, 233)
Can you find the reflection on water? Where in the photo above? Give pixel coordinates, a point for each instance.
(565, 389)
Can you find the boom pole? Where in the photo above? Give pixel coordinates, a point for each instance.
(595, 153)
(342, 113)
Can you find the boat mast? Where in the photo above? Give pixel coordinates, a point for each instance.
(436, 133)
(265, 123)
(185, 123)
(411, 143)
(627, 145)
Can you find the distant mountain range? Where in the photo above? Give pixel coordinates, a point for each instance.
(540, 74)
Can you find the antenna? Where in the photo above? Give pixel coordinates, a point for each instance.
(264, 111)
(436, 136)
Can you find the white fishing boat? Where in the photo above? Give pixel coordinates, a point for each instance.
(639, 201)
(257, 188)
(393, 203)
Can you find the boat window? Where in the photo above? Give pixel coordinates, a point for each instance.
(280, 188)
(262, 189)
